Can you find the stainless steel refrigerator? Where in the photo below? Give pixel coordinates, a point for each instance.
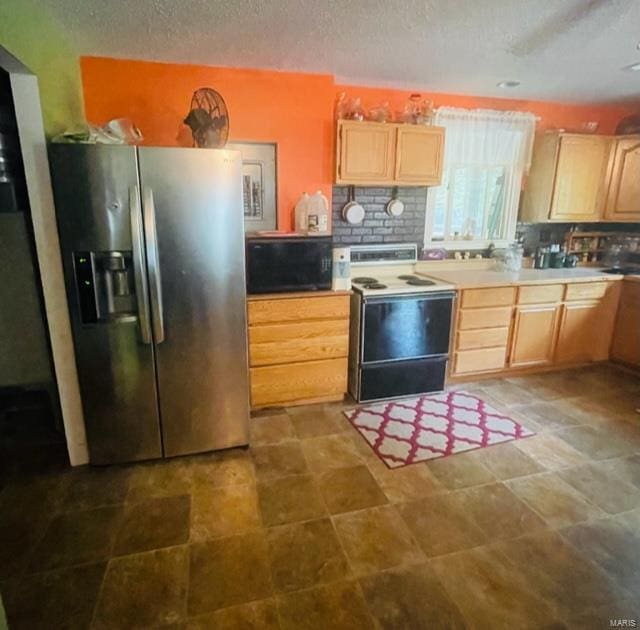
(153, 249)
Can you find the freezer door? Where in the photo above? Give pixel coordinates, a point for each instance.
(95, 188)
(192, 205)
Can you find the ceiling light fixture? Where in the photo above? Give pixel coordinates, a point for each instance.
(508, 84)
(634, 67)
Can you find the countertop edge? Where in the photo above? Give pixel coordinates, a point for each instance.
(467, 284)
(295, 294)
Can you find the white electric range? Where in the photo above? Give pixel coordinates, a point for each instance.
(400, 325)
(390, 270)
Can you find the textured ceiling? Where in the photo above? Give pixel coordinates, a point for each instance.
(566, 50)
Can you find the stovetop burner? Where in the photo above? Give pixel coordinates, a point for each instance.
(364, 280)
(625, 271)
(375, 285)
(420, 282)
(407, 277)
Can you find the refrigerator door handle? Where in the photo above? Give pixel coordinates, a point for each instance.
(139, 272)
(153, 264)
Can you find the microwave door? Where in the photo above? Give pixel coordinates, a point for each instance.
(288, 264)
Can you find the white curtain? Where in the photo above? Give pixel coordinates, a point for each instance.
(484, 138)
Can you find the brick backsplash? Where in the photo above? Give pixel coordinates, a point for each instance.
(378, 226)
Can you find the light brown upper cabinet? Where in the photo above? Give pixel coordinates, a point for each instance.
(419, 152)
(366, 153)
(568, 178)
(389, 154)
(623, 201)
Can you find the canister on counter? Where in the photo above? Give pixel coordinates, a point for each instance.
(341, 279)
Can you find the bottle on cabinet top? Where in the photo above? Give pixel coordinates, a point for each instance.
(312, 214)
(318, 214)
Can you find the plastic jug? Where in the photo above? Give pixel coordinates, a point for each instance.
(318, 214)
(301, 213)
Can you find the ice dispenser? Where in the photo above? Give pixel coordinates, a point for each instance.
(106, 288)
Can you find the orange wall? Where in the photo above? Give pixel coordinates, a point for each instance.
(292, 109)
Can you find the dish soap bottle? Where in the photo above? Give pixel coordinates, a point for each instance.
(318, 214)
(301, 214)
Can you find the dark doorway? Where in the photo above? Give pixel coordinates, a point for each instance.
(31, 433)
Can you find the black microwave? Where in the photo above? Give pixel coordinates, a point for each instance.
(296, 263)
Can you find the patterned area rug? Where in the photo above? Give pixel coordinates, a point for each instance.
(413, 430)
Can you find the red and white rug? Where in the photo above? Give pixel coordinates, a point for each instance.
(413, 430)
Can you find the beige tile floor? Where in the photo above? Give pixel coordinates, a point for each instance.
(308, 529)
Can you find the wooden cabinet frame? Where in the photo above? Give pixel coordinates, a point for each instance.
(626, 337)
(543, 353)
(611, 189)
(298, 348)
(560, 160)
(623, 199)
(388, 154)
(544, 310)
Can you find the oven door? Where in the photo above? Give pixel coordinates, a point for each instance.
(406, 327)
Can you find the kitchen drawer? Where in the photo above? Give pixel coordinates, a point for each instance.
(478, 298)
(273, 344)
(482, 338)
(585, 290)
(540, 294)
(312, 380)
(298, 309)
(484, 318)
(485, 360)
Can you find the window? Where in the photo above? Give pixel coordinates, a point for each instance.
(486, 154)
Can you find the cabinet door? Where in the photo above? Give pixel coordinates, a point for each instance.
(419, 153)
(626, 340)
(579, 178)
(534, 335)
(623, 203)
(582, 336)
(365, 153)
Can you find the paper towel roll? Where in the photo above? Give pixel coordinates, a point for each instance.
(341, 278)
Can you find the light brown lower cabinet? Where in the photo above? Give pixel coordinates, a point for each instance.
(577, 341)
(500, 329)
(626, 338)
(535, 330)
(298, 348)
(480, 360)
(587, 326)
(298, 382)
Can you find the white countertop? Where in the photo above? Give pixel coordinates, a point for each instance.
(490, 278)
